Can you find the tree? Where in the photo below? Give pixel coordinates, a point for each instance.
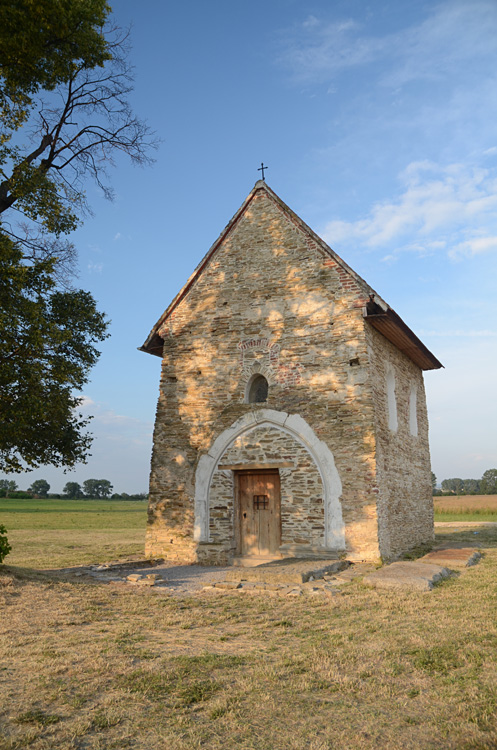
(64, 81)
(8, 485)
(488, 483)
(40, 487)
(97, 488)
(73, 490)
(41, 40)
(4, 544)
(47, 339)
(471, 486)
(79, 128)
(452, 485)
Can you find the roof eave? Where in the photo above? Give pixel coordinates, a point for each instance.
(153, 345)
(391, 325)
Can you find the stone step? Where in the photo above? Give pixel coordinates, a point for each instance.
(289, 570)
(454, 558)
(250, 561)
(417, 576)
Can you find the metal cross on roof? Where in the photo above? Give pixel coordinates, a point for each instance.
(261, 169)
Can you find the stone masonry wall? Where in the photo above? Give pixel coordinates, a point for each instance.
(269, 300)
(302, 510)
(405, 502)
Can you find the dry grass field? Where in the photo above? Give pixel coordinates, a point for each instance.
(57, 533)
(95, 666)
(467, 504)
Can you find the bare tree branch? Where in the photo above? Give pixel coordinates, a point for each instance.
(78, 132)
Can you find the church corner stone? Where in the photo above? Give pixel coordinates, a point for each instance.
(271, 304)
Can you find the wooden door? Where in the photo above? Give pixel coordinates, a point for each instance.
(259, 512)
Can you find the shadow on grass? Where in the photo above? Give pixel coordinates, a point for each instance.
(31, 575)
(482, 536)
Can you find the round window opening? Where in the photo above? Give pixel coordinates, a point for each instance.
(258, 390)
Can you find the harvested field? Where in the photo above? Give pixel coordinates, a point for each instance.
(97, 666)
(466, 507)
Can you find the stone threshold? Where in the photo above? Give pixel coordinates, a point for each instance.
(288, 570)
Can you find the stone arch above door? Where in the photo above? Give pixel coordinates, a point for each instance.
(298, 428)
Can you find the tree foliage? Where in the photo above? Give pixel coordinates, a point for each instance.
(4, 544)
(97, 488)
(433, 481)
(64, 86)
(73, 490)
(487, 485)
(488, 482)
(471, 486)
(83, 118)
(452, 485)
(39, 487)
(41, 41)
(8, 485)
(47, 339)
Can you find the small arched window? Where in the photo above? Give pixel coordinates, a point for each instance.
(258, 390)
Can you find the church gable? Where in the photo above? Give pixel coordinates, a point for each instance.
(267, 270)
(270, 302)
(266, 237)
(274, 430)
(270, 257)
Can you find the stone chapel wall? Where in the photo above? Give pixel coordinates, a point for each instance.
(405, 502)
(270, 301)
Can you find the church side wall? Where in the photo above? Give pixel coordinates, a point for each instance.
(270, 301)
(405, 502)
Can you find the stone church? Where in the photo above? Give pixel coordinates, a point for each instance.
(291, 419)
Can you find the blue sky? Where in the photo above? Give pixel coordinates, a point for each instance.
(377, 121)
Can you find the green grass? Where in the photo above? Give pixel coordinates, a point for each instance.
(67, 514)
(60, 533)
(475, 515)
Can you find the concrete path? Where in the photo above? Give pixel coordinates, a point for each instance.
(291, 576)
(169, 576)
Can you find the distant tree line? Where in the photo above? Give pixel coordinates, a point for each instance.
(487, 485)
(94, 489)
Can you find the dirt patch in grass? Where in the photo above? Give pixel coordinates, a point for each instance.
(108, 666)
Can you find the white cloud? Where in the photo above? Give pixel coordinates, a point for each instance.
(452, 207)
(117, 236)
(106, 422)
(319, 51)
(95, 267)
(474, 246)
(86, 402)
(453, 34)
